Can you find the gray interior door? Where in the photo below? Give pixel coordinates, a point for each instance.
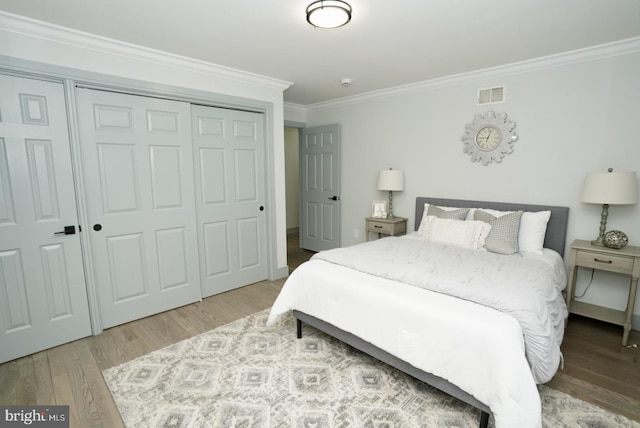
(138, 168)
(229, 149)
(43, 297)
(320, 188)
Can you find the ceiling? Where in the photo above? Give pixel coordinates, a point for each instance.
(387, 43)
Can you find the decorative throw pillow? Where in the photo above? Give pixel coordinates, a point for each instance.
(503, 238)
(453, 214)
(533, 228)
(441, 212)
(466, 234)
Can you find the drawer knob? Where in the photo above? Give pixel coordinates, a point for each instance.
(602, 261)
(377, 226)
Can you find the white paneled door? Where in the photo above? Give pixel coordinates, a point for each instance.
(320, 158)
(43, 298)
(138, 178)
(230, 195)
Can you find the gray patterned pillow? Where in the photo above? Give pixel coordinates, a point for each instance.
(460, 214)
(503, 238)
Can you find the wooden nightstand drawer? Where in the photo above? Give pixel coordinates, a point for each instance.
(385, 226)
(380, 227)
(601, 261)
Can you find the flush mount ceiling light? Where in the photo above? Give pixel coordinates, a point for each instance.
(328, 13)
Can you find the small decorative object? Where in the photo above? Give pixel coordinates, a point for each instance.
(379, 209)
(609, 188)
(489, 137)
(391, 180)
(615, 239)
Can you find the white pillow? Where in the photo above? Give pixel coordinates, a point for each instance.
(533, 228)
(466, 234)
(425, 214)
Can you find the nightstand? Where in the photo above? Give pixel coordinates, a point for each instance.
(625, 261)
(387, 226)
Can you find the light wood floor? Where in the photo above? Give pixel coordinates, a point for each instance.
(597, 369)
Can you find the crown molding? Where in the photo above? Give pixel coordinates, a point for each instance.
(66, 36)
(295, 107)
(38, 29)
(618, 48)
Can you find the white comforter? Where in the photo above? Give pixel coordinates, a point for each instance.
(475, 347)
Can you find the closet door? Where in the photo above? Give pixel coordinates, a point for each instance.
(43, 298)
(138, 169)
(229, 151)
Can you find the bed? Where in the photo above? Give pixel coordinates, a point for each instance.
(401, 310)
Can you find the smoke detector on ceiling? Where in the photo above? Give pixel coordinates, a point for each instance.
(345, 82)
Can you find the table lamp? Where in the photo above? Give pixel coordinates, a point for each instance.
(609, 188)
(391, 180)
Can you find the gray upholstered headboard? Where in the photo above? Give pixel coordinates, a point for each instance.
(555, 237)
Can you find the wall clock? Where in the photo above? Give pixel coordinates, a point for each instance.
(489, 137)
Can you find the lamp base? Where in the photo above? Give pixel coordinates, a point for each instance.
(599, 241)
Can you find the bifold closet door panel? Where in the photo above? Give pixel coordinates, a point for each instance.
(43, 296)
(139, 183)
(229, 151)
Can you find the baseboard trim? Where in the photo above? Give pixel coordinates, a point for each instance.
(280, 273)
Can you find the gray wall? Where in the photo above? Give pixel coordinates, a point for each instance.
(574, 114)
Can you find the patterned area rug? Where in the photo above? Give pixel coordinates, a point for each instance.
(246, 375)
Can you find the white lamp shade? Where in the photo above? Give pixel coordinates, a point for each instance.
(613, 188)
(391, 179)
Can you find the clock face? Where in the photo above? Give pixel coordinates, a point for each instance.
(488, 138)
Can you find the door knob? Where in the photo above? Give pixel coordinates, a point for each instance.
(261, 208)
(97, 227)
(68, 230)
(335, 198)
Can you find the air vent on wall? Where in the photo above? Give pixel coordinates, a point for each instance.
(491, 95)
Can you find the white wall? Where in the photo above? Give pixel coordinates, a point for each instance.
(77, 55)
(574, 114)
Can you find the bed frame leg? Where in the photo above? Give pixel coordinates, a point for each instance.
(298, 329)
(484, 419)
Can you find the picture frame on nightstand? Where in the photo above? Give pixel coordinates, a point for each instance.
(379, 209)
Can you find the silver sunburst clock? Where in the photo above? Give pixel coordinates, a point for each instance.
(489, 137)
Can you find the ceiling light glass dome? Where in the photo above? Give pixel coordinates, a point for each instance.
(328, 13)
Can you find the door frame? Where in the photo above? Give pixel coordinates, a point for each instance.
(71, 78)
(298, 126)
